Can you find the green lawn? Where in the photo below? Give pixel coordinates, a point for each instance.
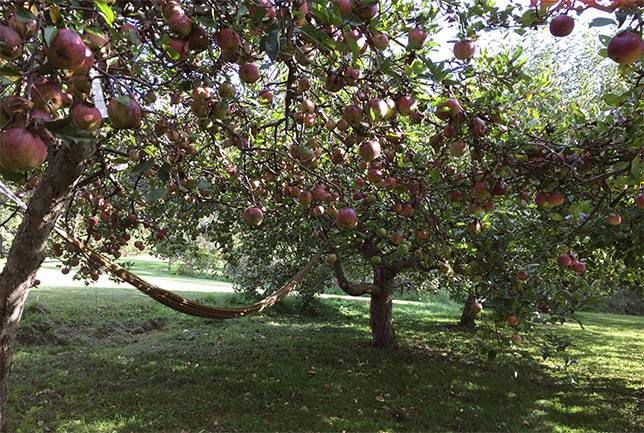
(110, 360)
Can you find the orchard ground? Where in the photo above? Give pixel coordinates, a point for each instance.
(108, 359)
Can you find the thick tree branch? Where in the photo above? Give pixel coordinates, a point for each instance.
(352, 289)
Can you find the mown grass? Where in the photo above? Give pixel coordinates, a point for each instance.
(112, 361)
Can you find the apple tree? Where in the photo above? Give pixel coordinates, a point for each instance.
(293, 126)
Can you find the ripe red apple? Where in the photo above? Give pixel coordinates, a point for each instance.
(10, 43)
(304, 198)
(352, 114)
(522, 276)
(46, 95)
(406, 105)
(180, 47)
(579, 267)
(26, 28)
(458, 148)
(464, 49)
(449, 109)
(380, 41)
(512, 320)
(253, 216)
(614, 219)
(334, 82)
(266, 96)
(477, 127)
(344, 6)
(86, 65)
(476, 308)
(228, 39)
(346, 218)
(416, 38)
(67, 50)
(370, 150)
(555, 199)
(181, 24)
(86, 117)
(625, 48)
(516, 339)
(365, 9)
(140, 245)
(198, 40)
(639, 201)
(564, 260)
(540, 199)
(562, 25)
(124, 113)
(21, 150)
(378, 108)
(248, 73)
(500, 188)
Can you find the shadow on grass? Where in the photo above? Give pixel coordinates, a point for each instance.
(287, 372)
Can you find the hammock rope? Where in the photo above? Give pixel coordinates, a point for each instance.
(166, 297)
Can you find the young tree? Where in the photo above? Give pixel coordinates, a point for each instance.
(296, 125)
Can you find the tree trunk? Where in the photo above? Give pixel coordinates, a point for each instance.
(382, 327)
(468, 318)
(29, 249)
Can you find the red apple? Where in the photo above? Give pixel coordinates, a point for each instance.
(464, 49)
(67, 50)
(253, 216)
(228, 39)
(416, 38)
(564, 260)
(10, 43)
(625, 48)
(21, 150)
(346, 218)
(248, 73)
(614, 219)
(86, 117)
(370, 150)
(512, 320)
(124, 113)
(562, 25)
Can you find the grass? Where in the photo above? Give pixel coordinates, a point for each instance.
(106, 360)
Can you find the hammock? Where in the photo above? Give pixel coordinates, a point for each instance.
(166, 297)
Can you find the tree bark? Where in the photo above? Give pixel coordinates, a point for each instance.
(29, 249)
(382, 326)
(468, 318)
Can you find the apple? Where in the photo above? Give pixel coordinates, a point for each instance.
(562, 25)
(516, 339)
(66, 50)
(124, 113)
(614, 219)
(406, 105)
(639, 201)
(396, 238)
(449, 109)
(512, 320)
(344, 6)
(10, 43)
(346, 218)
(464, 49)
(228, 39)
(476, 308)
(181, 24)
(458, 148)
(564, 260)
(21, 150)
(579, 267)
(625, 48)
(352, 114)
(253, 216)
(86, 117)
(248, 73)
(555, 199)
(416, 38)
(477, 127)
(522, 276)
(370, 150)
(380, 41)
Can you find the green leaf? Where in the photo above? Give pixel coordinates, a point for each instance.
(24, 15)
(602, 21)
(142, 167)
(271, 43)
(50, 33)
(9, 73)
(155, 194)
(105, 11)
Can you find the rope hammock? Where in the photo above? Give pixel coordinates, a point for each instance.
(166, 297)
